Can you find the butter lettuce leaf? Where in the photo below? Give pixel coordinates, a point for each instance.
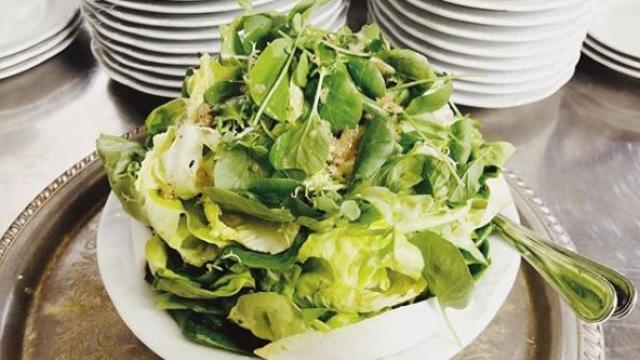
(268, 315)
(122, 161)
(355, 269)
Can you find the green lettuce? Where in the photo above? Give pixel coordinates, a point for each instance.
(268, 315)
(355, 269)
(122, 161)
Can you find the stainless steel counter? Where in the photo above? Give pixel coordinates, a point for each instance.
(580, 149)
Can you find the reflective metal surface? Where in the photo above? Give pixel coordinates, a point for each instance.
(580, 150)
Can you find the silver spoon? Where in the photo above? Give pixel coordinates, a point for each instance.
(595, 292)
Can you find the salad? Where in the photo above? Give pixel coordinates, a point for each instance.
(304, 181)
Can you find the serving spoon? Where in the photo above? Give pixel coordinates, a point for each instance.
(595, 292)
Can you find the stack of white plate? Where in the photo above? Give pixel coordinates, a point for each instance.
(33, 31)
(149, 44)
(506, 52)
(614, 37)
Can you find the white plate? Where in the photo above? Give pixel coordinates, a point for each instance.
(179, 20)
(37, 60)
(617, 25)
(186, 60)
(167, 70)
(572, 46)
(120, 253)
(173, 47)
(478, 31)
(610, 63)
(499, 77)
(509, 100)
(167, 59)
(130, 36)
(24, 23)
(193, 7)
(395, 19)
(610, 53)
(137, 84)
(154, 32)
(169, 82)
(495, 18)
(513, 5)
(40, 47)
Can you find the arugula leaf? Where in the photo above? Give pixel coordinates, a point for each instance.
(367, 76)
(341, 104)
(376, 147)
(301, 71)
(409, 63)
(168, 301)
(253, 259)
(222, 90)
(256, 28)
(433, 99)
(303, 146)
(273, 191)
(231, 201)
(231, 42)
(486, 156)
(215, 332)
(269, 79)
(445, 269)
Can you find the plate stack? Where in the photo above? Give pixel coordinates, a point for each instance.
(505, 52)
(149, 44)
(614, 37)
(33, 31)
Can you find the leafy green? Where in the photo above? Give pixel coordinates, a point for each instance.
(233, 202)
(253, 259)
(273, 191)
(301, 71)
(303, 146)
(367, 76)
(269, 79)
(222, 90)
(122, 159)
(213, 331)
(164, 116)
(409, 63)
(433, 99)
(445, 270)
(377, 145)
(235, 169)
(355, 269)
(268, 315)
(341, 104)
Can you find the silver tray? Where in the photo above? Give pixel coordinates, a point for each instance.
(53, 304)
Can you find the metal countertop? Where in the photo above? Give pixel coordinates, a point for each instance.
(579, 149)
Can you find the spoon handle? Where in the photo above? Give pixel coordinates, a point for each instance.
(590, 289)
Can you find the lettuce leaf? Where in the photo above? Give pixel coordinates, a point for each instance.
(122, 160)
(356, 269)
(268, 315)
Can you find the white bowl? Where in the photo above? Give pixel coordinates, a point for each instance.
(120, 253)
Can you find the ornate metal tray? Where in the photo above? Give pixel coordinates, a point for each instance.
(53, 304)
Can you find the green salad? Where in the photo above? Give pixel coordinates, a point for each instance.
(304, 181)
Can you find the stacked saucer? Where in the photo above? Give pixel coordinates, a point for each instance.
(149, 44)
(614, 37)
(505, 52)
(33, 31)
